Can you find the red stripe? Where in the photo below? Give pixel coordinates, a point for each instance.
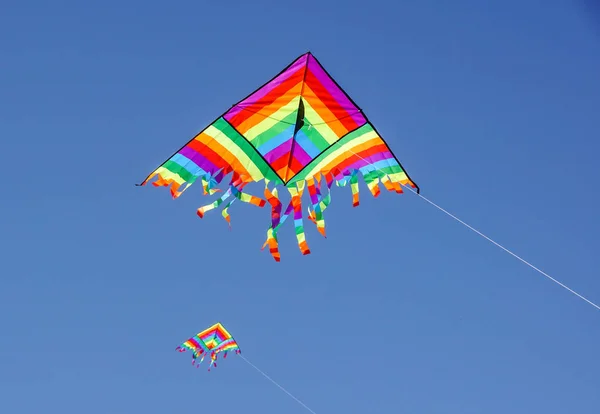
(323, 94)
(294, 167)
(211, 155)
(269, 98)
(364, 154)
(193, 341)
(280, 163)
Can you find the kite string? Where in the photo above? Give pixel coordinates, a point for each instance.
(505, 249)
(275, 382)
(490, 240)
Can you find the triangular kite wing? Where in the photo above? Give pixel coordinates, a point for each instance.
(294, 130)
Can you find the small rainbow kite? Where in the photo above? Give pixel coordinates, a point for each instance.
(213, 340)
(297, 130)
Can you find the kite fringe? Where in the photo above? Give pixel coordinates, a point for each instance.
(321, 200)
(320, 197)
(214, 355)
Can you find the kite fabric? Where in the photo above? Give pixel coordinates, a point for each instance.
(211, 341)
(301, 131)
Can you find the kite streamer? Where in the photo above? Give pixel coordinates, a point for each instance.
(301, 131)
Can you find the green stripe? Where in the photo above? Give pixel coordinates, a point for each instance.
(315, 136)
(230, 132)
(333, 148)
(392, 169)
(179, 170)
(236, 139)
(275, 130)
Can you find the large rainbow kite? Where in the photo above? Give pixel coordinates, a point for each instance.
(299, 130)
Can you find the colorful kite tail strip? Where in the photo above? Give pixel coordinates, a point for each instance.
(295, 130)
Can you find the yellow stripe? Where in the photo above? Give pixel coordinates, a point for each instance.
(168, 175)
(215, 326)
(313, 118)
(273, 119)
(269, 110)
(234, 150)
(400, 177)
(330, 157)
(224, 330)
(332, 120)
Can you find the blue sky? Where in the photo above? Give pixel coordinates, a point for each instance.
(492, 107)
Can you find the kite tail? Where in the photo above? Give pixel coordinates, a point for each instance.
(294, 205)
(195, 355)
(391, 185)
(201, 360)
(244, 197)
(275, 203)
(209, 185)
(247, 198)
(202, 210)
(352, 178)
(372, 180)
(170, 180)
(272, 233)
(298, 222)
(235, 188)
(320, 202)
(213, 360)
(316, 215)
(225, 213)
(179, 177)
(354, 187)
(273, 199)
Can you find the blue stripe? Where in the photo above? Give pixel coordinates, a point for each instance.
(389, 162)
(277, 140)
(307, 145)
(189, 165)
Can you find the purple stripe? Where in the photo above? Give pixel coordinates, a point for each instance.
(335, 91)
(277, 152)
(200, 160)
(301, 155)
(383, 155)
(301, 61)
(299, 152)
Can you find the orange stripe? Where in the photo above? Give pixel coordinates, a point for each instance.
(365, 150)
(217, 154)
(329, 101)
(324, 112)
(269, 98)
(294, 167)
(254, 119)
(280, 165)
